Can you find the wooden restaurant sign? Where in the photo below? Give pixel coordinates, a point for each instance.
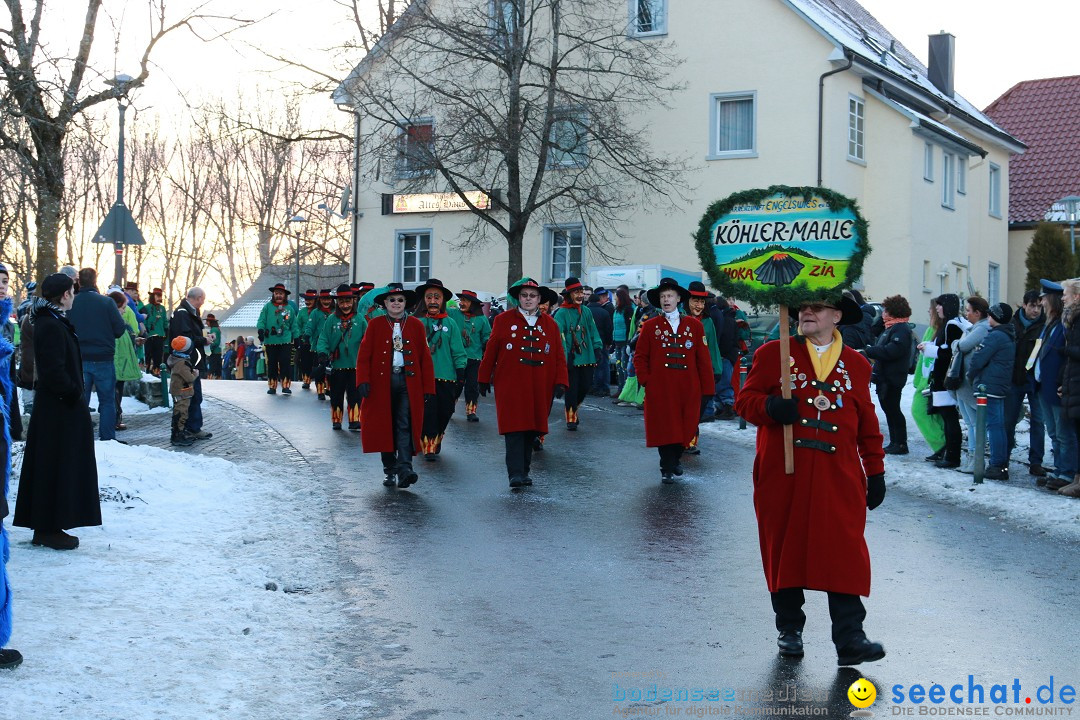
(439, 202)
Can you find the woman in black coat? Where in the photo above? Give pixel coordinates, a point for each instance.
(941, 402)
(58, 488)
(892, 357)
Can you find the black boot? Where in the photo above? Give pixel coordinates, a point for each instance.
(936, 456)
(790, 643)
(896, 449)
(10, 659)
(858, 651)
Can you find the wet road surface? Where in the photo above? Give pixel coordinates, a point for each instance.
(470, 600)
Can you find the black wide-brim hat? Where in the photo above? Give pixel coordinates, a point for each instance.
(410, 297)
(549, 296)
(851, 313)
(667, 284)
(437, 284)
(281, 286)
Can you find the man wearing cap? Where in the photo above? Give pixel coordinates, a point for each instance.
(449, 360)
(157, 327)
(990, 368)
(1028, 322)
(582, 344)
(1045, 368)
(305, 351)
(811, 523)
(394, 375)
(323, 310)
(339, 343)
(277, 328)
(98, 324)
(524, 360)
(187, 321)
(605, 327)
(475, 331)
(695, 307)
(673, 365)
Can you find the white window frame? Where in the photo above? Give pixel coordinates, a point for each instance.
(948, 180)
(995, 191)
(928, 163)
(715, 99)
(549, 250)
(579, 156)
(399, 255)
(400, 171)
(662, 26)
(993, 284)
(961, 174)
(856, 130)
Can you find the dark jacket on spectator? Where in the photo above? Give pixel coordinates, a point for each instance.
(991, 363)
(892, 355)
(727, 330)
(186, 321)
(604, 324)
(1025, 343)
(97, 324)
(58, 488)
(26, 353)
(1051, 362)
(858, 336)
(1070, 369)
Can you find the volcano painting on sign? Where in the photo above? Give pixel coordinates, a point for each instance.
(782, 245)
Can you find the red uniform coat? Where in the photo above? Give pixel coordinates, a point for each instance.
(810, 524)
(524, 364)
(676, 371)
(373, 366)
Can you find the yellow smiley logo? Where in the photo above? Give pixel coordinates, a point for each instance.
(862, 693)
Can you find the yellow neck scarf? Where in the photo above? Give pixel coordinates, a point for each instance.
(824, 364)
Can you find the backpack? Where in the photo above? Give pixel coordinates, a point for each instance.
(913, 352)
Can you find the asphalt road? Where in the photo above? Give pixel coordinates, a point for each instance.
(469, 600)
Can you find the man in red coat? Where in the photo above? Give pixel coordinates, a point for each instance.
(394, 374)
(524, 359)
(673, 365)
(811, 523)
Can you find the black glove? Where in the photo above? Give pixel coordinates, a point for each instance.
(429, 396)
(322, 359)
(953, 383)
(363, 389)
(875, 490)
(484, 389)
(560, 390)
(262, 335)
(785, 412)
(461, 375)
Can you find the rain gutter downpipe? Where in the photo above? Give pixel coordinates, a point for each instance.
(821, 109)
(353, 211)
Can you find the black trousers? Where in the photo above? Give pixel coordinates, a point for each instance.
(343, 390)
(580, 383)
(214, 362)
(472, 387)
(519, 450)
(954, 436)
(847, 613)
(401, 422)
(669, 456)
(438, 409)
(278, 362)
(155, 347)
(305, 358)
(889, 399)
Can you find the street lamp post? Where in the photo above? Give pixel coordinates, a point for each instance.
(298, 218)
(120, 87)
(1072, 207)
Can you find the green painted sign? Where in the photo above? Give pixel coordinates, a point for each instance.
(782, 245)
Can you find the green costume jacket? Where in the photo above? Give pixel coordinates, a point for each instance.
(447, 350)
(278, 322)
(215, 340)
(303, 323)
(581, 340)
(315, 322)
(340, 339)
(157, 320)
(713, 343)
(475, 331)
(125, 361)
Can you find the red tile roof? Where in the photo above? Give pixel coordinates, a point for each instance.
(1045, 115)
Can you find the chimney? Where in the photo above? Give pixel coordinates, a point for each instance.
(942, 65)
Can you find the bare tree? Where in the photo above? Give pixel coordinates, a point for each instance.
(45, 94)
(532, 102)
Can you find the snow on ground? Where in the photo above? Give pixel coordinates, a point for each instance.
(131, 406)
(1017, 501)
(208, 592)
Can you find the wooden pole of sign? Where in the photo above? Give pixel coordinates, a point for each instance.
(785, 386)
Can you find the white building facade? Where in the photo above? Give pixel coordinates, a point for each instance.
(777, 92)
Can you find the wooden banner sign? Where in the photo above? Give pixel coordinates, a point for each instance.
(782, 245)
